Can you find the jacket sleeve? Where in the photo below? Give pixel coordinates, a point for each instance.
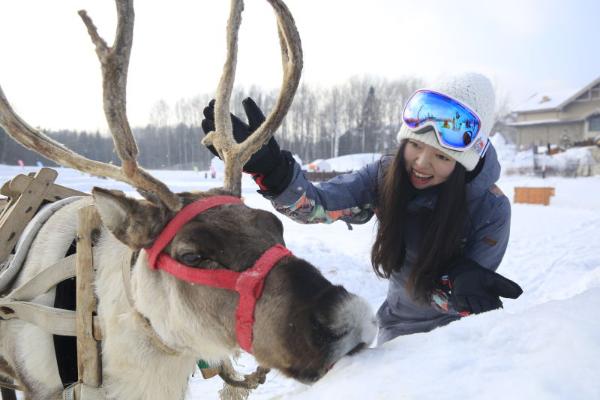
(488, 242)
(349, 197)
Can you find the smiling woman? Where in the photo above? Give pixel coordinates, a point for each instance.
(443, 224)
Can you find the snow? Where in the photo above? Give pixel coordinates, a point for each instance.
(350, 162)
(318, 166)
(565, 163)
(544, 345)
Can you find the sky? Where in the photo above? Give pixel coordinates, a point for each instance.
(51, 75)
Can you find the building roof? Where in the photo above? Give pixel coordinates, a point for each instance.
(552, 101)
(544, 122)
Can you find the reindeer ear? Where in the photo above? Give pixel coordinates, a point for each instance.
(136, 223)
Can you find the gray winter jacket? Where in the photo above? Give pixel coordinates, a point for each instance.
(353, 198)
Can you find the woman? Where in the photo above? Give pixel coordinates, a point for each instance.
(443, 223)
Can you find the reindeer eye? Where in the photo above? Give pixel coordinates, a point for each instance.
(192, 258)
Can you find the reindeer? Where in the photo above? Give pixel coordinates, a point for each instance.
(158, 322)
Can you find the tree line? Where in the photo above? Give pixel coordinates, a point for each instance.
(159, 147)
(362, 115)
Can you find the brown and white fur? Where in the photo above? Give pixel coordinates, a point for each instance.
(304, 324)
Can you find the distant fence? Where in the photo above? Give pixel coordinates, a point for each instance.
(321, 176)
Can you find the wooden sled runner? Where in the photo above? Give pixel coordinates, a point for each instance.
(25, 195)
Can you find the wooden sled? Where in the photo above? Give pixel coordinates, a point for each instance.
(25, 194)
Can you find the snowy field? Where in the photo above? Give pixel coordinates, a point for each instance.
(545, 345)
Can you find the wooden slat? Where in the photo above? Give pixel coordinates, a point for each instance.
(88, 349)
(15, 218)
(55, 192)
(6, 191)
(9, 203)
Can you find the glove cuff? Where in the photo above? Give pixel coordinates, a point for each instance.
(460, 266)
(273, 183)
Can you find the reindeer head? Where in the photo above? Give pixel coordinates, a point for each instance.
(303, 324)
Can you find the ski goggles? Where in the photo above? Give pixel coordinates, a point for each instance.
(457, 127)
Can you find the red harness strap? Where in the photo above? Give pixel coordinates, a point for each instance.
(181, 218)
(249, 283)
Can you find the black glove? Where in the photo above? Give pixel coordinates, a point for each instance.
(475, 289)
(270, 167)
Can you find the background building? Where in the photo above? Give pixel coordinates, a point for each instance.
(558, 119)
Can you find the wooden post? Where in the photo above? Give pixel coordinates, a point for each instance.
(88, 349)
(8, 394)
(16, 216)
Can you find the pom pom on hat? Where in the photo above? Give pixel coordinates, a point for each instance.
(476, 92)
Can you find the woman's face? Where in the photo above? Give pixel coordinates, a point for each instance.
(426, 165)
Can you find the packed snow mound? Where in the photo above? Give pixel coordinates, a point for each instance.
(496, 355)
(350, 162)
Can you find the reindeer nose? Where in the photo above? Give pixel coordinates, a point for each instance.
(355, 350)
(353, 326)
(358, 348)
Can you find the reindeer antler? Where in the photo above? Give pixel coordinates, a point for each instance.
(115, 62)
(233, 154)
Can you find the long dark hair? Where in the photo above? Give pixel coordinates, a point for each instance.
(441, 242)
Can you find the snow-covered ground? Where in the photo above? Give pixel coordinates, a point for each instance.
(545, 345)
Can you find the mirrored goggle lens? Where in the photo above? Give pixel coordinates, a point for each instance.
(456, 125)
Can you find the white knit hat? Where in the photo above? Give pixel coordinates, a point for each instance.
(476, 92)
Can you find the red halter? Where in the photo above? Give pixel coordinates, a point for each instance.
(249, 283)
